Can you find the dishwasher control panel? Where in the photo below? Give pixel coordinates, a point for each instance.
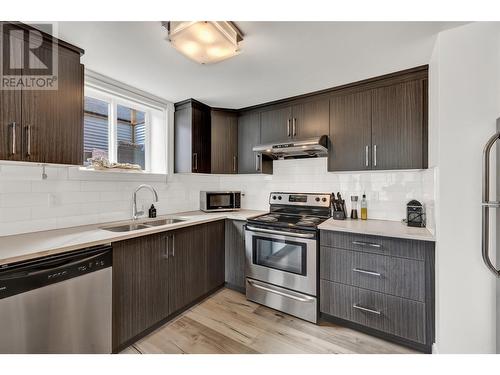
(25, 276)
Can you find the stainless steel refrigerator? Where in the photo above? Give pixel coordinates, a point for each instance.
(491, 220)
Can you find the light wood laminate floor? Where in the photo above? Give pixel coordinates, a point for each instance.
(227, 323)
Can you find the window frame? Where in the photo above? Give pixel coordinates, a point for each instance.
(113, 100)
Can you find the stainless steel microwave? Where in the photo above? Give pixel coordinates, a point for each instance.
(220, 201)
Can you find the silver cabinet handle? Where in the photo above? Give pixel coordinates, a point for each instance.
(294, 127)
(367, 150)
(167, 249)
(28, 140)
(257, 162)
(485, 226)
(288, 127)
(13, 150)
(279, 232)
(366, 272)
(234, 164)
(279, 292)
(195, 157)
(173, 245)
(493, 204)
(356, 306)
(374, 155)
(361, 243)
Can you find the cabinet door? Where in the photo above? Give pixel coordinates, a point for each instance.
(10, 112)
(183, 140)
(276, 125)
(398, 129)
(224, 142)
(350, 132)
(10, 125)
(53, 119)
(235, 254)
(310, 119)
(201, 158)
(248, 137)
(140, 286)
(214, 253)
(187, 266)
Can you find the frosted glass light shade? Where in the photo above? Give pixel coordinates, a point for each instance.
(205, 42)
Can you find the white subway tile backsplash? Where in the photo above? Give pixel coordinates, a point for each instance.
(15, 214)
(70, 197)
(24, 199)
(25, 226)
(52, 186)
(15, 186)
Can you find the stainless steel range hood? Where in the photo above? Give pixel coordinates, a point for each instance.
(296, 148)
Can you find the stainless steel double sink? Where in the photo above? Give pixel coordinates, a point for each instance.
(143, 225)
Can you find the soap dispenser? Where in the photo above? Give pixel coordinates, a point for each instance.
(152, 211)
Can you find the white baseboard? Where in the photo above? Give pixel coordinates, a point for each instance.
(435, 349)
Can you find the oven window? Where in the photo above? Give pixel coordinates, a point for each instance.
(219, 200)
(284, 255)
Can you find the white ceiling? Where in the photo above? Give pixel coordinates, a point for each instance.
(279, 59)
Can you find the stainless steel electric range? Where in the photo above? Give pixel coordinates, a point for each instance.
(282, 253)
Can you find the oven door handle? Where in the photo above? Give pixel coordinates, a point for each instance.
(290, 234)
(280, 293)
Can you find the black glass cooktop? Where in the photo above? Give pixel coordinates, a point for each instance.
(288, 221)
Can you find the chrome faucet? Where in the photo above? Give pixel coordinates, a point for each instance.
(135, 213)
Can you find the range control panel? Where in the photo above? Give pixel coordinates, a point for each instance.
(301, 199)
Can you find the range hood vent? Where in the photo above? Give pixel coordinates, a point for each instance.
(297, 148)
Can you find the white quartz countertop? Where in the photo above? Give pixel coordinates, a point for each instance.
(384, 228)
(37, 244)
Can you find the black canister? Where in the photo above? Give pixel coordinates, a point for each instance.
(415, 216)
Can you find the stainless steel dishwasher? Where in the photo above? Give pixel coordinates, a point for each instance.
(57, 304)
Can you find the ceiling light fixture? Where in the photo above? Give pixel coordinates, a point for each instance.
(205, 42)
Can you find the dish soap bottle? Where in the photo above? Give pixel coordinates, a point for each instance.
(364, 208)
(152, 211)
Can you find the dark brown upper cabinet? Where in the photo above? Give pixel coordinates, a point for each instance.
(350, 132)
(10, 125)
(376, 124)
(224, 141)
(276, 125)
(380, 124)
(45, 126)
(399, 134)
(248, 137)
(310, 119)
(302, 120)
(192, 136)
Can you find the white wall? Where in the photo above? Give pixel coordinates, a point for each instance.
(465, 102)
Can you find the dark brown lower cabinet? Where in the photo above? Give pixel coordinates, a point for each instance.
(187, 265)
(140, 285)
(158, 275)
(235, 254)
(383, 286)
(214, 254)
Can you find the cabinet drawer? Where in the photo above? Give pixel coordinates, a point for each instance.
(389, 314)
(392, 275)
(412, 249)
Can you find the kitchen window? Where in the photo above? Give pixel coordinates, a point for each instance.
(122, 130)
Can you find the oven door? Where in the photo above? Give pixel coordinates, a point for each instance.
(220, 201)
(282, 258)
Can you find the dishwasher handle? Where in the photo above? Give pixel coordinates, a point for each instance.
(26, 276)
(47, 268)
